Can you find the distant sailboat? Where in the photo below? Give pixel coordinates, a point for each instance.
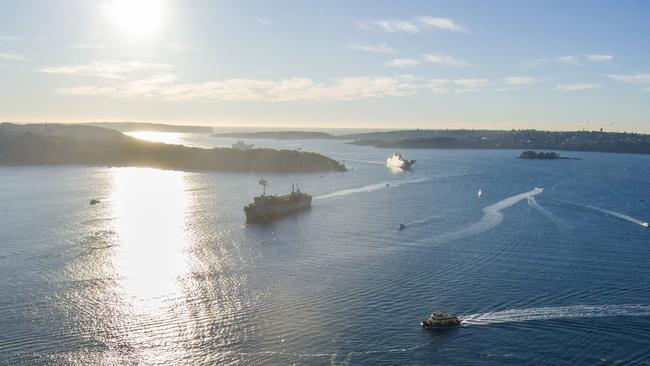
(479, 193)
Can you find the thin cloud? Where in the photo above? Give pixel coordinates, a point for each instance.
(439, 86)
(599, 58)
(441, 23)
(389, 26)
(379, 48)
(567, 59)
(89, 90)
(578, 86)
(149, 87)
(92, 46)
(414, 25)
(107, 69)
(538, 62)
(520, 80)
(9, 38)
(264, 21)
(570, 59)
(403, 62)
(165, 86)
(632, 78)
(444, 60)
(177, 46)
(283, 90)
(12, 57)
(470, 85)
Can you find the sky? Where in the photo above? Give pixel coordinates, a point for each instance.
(553, 65)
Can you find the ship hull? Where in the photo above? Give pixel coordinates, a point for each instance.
(263, 213)
(440, 327)
(407, 164)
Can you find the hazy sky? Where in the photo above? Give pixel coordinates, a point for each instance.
(382, 64)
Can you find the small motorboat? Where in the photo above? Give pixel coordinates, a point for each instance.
(440, 320)
(644, 224)
(479, 193)
(94, 201)
(401, 227)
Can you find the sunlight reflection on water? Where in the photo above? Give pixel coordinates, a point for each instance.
(150, 209)
(165, 137)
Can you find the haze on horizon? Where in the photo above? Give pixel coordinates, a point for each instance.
(558, 65)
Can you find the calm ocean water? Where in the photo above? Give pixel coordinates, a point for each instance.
(165, 271)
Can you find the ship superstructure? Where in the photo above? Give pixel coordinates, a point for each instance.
(397, 161)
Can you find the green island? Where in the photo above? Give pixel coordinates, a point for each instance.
(529, 154)
(59, 144)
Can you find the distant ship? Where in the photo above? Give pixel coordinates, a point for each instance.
(397, 161)
(266, 207)
(241, 145)
(439, 320)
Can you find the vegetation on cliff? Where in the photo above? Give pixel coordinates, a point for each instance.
(87, 145)
(515, 139)
(145, 126)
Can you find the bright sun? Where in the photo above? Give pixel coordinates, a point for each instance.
(136, 17)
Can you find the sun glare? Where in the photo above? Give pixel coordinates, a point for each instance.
(149, 207)
(136, 17)
(164, 137)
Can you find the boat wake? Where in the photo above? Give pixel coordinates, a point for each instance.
(424, 222)
(386, 185)
(550, 313)
(492, 216)
(367, 161)
(548, 214)
(371, 188)
(617, 215)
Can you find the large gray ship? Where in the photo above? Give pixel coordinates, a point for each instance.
(266, 207)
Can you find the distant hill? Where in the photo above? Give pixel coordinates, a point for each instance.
(515, 139)
(145, 126)
(55, 144)
(277, 135)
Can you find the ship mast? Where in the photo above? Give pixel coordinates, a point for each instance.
(263, 183)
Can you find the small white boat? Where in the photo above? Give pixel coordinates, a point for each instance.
(644, 224)
(439, 320)
(397, 161)
(479, 194)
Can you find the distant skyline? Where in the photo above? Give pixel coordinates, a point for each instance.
(552, 65)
